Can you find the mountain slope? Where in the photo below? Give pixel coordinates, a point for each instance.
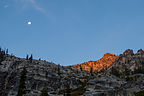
(39, 74)
(125, 77)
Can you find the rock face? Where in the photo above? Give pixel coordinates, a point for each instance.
(103, 63)
(123, 75)
(110, 85)
(129, 61)
(39, 74)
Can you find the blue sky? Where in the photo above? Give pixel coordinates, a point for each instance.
(71, 31)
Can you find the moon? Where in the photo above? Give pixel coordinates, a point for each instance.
(29, 22)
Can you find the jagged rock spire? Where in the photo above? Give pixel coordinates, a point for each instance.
(128, 52)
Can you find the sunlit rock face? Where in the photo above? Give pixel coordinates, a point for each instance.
(103, 63)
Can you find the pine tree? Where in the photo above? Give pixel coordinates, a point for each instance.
(91, 70)
(81, 68)
(27, 57)
(46, 74)
(22, 86)
(59, 73)
(2, 55)
(31, 58)
(6, 51)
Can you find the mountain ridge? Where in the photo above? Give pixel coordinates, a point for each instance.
(98, 65)
(123, 76)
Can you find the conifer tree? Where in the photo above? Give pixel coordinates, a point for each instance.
(6, 51)
(46, 74)
(59, 73)
(27, 57)
(31, 58)
(91, 70)
(2, 55)
(22, 87)
(81, 68)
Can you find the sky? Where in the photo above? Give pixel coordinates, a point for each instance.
(70, 32)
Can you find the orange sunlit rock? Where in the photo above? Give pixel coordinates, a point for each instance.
(103, 63)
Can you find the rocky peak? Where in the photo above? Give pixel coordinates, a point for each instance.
(108, 54)
(104, 62)
(130, 62)
(140, 52)
(128, 52)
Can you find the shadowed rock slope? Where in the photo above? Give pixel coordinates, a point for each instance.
(39, 74)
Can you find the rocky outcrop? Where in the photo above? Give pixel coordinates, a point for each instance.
(110, 85)
(125, 77)
(39, 74)
(103, 63)
(129, 61)
(128, 52)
